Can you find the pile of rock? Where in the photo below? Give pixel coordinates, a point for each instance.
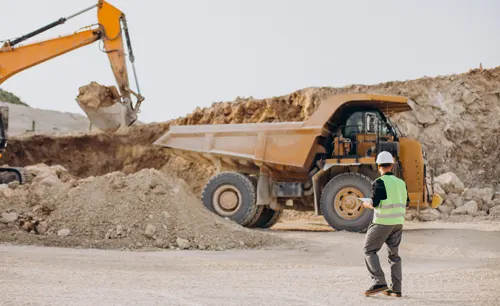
(42, 180)
(458, 200)
(144, 209)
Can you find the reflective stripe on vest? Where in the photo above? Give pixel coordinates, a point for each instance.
(392, 210)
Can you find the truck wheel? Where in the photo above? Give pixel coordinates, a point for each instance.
(339, 203)
(268, 218)
(8, 175)
(231, 195)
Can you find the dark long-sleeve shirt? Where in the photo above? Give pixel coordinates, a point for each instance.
(380, 194)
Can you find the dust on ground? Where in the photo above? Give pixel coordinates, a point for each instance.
(322, 268)
(139, 210)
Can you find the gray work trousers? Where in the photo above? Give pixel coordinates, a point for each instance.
(376, 236)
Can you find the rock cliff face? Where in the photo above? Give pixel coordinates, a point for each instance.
(456, 118)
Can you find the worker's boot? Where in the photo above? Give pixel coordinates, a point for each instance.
(375, 289)
(389, 292)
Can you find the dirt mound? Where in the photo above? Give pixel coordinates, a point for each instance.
(91, 154)
(455, 118)
(144, 209)
(95, 95)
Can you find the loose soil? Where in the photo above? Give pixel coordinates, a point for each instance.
(140, 210)
(323, 268)
(95, 95)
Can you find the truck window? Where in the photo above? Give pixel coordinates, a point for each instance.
(354, 124)
(382, 126)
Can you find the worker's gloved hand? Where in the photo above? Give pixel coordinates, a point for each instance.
(367, 205)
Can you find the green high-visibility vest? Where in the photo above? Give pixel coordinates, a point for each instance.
(391, 211)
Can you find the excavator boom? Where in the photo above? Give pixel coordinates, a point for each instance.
(108, 118)
(15, 60)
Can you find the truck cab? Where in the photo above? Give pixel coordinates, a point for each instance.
(363, 133)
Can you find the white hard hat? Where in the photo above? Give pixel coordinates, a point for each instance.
(384, 157)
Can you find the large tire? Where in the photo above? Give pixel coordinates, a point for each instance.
(339, 205)
(260, 208)
(8, 175)
(221, 192)
(267, 218)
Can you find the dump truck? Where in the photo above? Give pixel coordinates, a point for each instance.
(323, 164)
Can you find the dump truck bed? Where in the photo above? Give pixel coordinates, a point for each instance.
(288, 145)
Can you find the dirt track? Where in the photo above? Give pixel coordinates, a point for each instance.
(441, 267)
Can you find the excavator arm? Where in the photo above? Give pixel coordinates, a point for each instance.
(14, 59)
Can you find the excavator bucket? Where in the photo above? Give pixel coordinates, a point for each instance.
(104, 107)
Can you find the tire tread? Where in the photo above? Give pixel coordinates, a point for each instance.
(249, 187)
(333, 181)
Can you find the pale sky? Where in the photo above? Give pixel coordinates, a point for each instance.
(191, 53)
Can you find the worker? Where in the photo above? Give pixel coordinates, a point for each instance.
(389, 202)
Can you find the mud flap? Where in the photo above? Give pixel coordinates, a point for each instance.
(436, 201)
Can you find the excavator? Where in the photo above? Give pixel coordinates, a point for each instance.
(111, 30)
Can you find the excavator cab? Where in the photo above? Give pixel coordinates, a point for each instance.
(108, 108)
(4, 127)
(7, 174)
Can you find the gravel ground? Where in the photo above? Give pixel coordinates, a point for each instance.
(440, 266)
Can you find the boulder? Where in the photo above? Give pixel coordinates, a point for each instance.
(445, 209)
(454, 200)
(483, 196)
(487, 195)
(183, 243)
(450, 183)
(150, 231)
(158, 243)
(491, 204)
(429, 215)
(42, 227)
(49, 181)
(5, 191)
(410, 129)
(496, 202)
(469, 97)
(37, 169)
(472, 193)
(495, 211)
(62, 173)
(9, 217)
(469, 208)
(410, 215)
(64, 232)
(425, 117)
(13, 185)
